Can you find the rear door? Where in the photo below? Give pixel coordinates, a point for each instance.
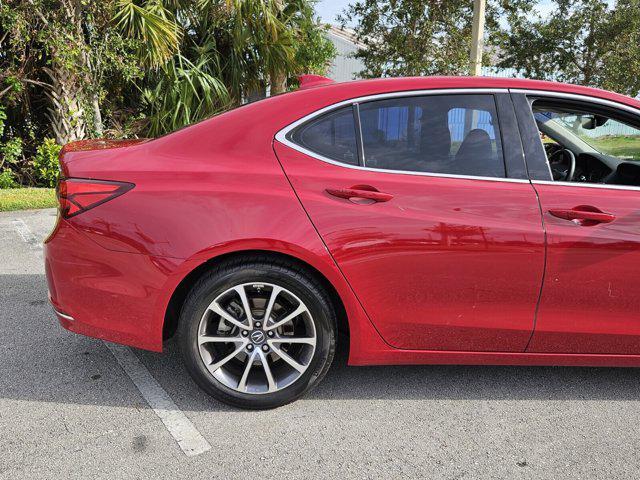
(422, 201)
(590, 301)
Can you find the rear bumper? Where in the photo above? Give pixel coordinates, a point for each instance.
(115, 296)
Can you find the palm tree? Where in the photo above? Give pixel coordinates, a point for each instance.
(228, 49)
(193, 58)
(154, 25)
(58, 44)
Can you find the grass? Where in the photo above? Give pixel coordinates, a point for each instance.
(617, 145)
(27, 198)
(621, 146)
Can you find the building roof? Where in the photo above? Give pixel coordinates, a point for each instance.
(346, 34)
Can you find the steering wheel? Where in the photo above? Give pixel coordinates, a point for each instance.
(559, 173)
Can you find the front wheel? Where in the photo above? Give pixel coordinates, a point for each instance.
(257, 335)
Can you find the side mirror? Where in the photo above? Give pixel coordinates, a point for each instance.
(590, 122)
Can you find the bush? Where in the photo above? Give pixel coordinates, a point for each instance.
(10, 154)
(7, 179)
(46, 163)
(11, 151)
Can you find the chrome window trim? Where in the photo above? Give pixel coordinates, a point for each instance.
(281, 136)
(586, 185)
(64, 315)
(582, 98)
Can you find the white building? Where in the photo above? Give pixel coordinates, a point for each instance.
(344, 66)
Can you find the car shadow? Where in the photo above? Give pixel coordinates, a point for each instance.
(40, 361)
(431, 382)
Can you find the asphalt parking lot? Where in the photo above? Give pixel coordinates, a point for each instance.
(68, 409)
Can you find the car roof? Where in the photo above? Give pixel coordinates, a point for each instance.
(397, 84)
(274, 113)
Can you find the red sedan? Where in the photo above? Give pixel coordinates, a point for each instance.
(432, 220)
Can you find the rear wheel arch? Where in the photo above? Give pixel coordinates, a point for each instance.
(179, 295)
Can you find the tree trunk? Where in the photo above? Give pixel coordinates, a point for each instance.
(66, 113)
(68, 93)
(97, 116)
(92, 78)
(278, 83)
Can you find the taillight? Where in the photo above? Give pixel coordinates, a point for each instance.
(77, 195)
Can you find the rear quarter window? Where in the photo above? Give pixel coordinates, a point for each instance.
(332, 136)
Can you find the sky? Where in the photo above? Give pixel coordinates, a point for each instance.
(328, 9)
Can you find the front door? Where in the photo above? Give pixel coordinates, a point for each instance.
(590, 302)
(411, 198)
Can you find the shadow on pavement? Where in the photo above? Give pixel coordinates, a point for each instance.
(39, 361)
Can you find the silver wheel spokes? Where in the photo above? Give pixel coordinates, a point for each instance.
(257, 338)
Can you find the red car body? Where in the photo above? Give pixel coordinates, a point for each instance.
(450, 270)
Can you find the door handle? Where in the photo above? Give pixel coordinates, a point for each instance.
(358, 193)
(585, 215)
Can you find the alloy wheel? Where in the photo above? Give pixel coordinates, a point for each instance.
(257, 338)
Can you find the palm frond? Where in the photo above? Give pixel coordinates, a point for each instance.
(153, 26)
(186, 92)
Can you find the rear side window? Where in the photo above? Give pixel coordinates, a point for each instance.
(332, 135)
(447, 134)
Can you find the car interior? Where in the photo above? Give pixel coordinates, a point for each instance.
(583, 143)
(449, 135)
(587, 144)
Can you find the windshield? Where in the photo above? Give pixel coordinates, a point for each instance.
(607, 136)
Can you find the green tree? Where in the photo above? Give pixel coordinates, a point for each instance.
(231, 49)
(72, 69)
(413, 37)
(587, 42)
(312, 49)
(59, 53)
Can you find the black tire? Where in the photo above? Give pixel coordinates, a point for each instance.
(256, 269)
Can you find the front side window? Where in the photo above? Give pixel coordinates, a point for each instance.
(605, 135)
(588, 144)
(332, 135)
(447, 134)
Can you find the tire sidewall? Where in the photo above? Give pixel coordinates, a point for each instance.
(210, 287)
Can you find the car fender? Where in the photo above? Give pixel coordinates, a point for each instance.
(363, 335)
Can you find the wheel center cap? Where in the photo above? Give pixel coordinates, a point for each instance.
(257, 336)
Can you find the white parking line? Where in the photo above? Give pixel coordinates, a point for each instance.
(179, 426)
(26, 234)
